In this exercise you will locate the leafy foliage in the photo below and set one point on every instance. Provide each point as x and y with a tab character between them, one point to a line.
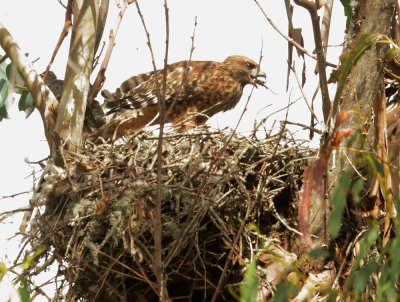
284	291
339	202
23	290
9	77
347	12
3	91
317	253
249	289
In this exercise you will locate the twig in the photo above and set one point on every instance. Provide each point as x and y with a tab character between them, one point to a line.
171	106
189	218
344	262
160	273
353	166
323	82
112	288
325	26
290	40
302	93
247	215
14	195
391	74
63	34
305	127
271	114
187	134
92	246
100	78
97	58
271	206
101	22
6	213
147	36
62	4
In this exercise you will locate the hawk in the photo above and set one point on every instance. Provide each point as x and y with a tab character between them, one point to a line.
195	91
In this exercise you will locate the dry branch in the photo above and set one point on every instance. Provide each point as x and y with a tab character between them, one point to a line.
290	40
100	78
63	34
323	82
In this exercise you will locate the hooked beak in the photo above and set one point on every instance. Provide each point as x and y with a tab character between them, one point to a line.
256	73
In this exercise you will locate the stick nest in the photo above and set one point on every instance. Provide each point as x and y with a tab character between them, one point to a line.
97	214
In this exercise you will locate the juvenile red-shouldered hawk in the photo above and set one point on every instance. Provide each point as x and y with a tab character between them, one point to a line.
197	90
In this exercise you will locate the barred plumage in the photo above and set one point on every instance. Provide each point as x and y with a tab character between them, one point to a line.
197	90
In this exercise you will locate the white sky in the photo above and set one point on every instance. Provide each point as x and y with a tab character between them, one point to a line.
225	27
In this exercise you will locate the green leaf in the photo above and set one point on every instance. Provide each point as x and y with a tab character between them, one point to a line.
395	260
254	227
391	54
233	293
17	80
347	12
284	291
3	98
384	284
26	102
318	253
369	239
375	165
24	290
339	202
397	207
249	289
362	277
8	71
357	188
350	141
27	263
332	295
3	270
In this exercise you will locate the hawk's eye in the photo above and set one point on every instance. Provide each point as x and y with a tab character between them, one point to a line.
250	66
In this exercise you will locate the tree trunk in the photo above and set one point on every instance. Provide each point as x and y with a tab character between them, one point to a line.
365	78
73	101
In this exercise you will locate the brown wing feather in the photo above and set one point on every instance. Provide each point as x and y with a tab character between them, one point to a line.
198	90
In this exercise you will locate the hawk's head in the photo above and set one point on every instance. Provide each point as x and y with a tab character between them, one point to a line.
246	71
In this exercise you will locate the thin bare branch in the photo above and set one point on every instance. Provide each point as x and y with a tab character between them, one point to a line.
103	13
302	92
171	106
63	34
13	195
323	82
100	78
305	127
147	36
290	40
325	26
62	4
